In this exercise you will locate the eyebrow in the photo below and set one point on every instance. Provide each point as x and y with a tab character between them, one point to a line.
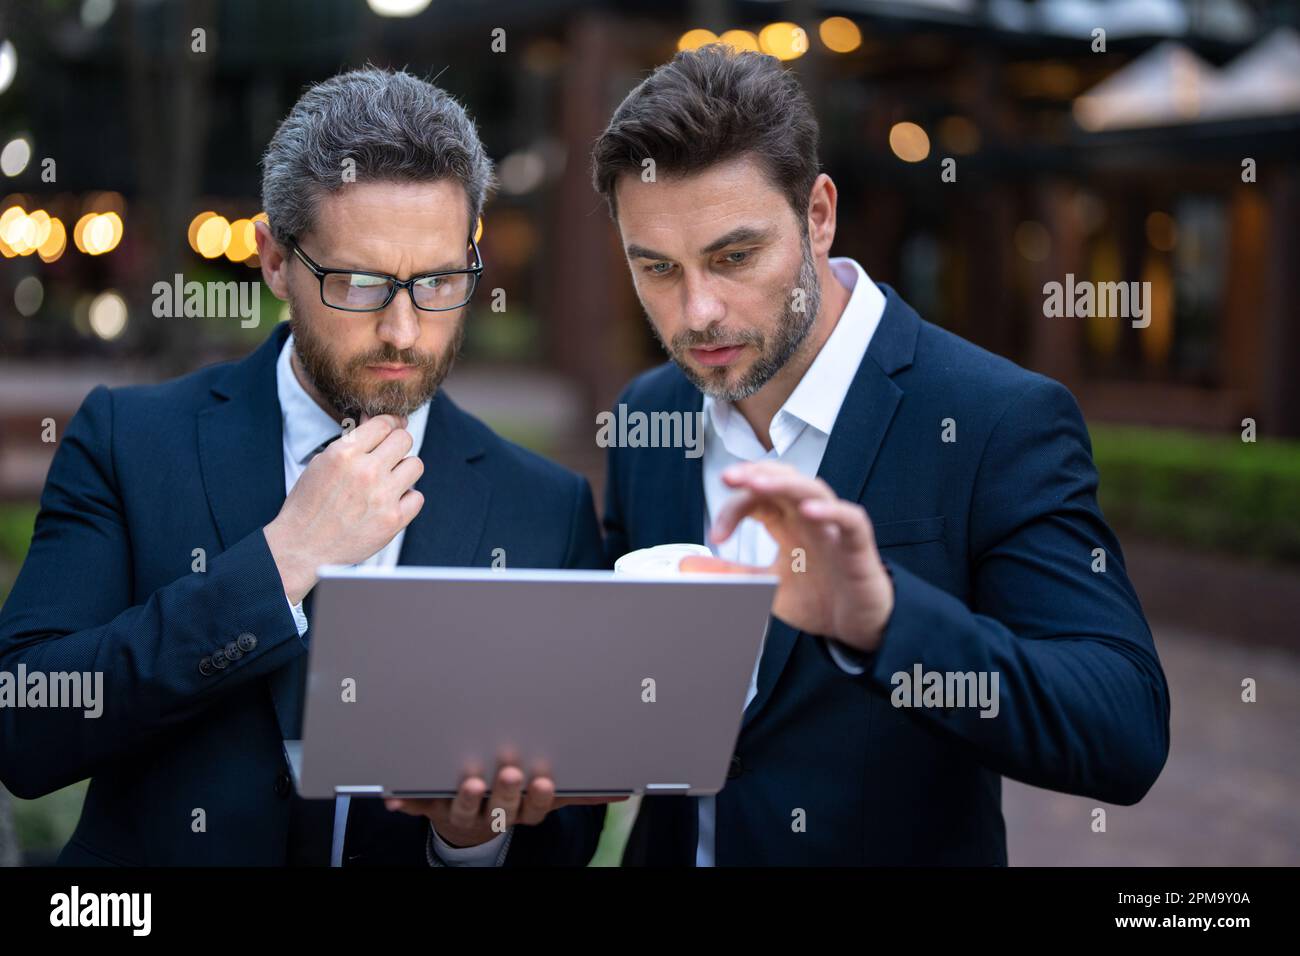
738	235
449	267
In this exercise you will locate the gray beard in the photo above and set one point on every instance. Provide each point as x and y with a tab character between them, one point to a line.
792	331
390	398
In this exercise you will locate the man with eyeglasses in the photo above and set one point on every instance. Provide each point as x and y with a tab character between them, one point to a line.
181	524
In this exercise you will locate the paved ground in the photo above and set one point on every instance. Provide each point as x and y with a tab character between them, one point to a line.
1229	794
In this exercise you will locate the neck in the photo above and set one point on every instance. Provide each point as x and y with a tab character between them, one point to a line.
762	406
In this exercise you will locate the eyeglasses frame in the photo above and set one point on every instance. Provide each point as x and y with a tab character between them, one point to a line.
320	272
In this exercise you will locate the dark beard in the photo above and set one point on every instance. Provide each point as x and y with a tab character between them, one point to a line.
339	386
791	333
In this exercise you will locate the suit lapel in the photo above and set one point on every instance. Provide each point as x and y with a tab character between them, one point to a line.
687	521
241	458
241	444
447	531
855	441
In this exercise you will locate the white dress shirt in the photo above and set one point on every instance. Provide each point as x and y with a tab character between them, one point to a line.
306	426
799	431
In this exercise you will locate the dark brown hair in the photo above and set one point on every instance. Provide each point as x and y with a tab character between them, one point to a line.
706	106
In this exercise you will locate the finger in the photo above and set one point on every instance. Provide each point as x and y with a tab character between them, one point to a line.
410	504
365	437
735	475
699	564
506	792
415	808
855	531
406	473
400	419
785	483
747	504
395	446
468	803
538	801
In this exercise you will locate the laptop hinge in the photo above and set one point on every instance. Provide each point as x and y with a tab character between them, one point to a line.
345	791
660	787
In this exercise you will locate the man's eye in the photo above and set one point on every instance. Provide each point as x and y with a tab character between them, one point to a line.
432	282
737	258
366	282
659	268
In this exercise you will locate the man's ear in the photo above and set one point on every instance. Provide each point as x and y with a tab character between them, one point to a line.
274	259
821	215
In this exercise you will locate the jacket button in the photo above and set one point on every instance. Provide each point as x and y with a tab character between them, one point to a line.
246	642
736	768
232	651
219	660
206	668
282	784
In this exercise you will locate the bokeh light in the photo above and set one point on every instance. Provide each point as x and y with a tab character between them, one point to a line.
740	40
694	39
107	315
15	156
398	8
242	241
785	41
28	295
840	34
52	248
213	237
8	64
909	142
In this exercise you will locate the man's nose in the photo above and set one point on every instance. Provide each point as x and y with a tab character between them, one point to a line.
400	322
702	306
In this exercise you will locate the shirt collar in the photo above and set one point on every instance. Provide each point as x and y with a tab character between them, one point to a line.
816	400
307	425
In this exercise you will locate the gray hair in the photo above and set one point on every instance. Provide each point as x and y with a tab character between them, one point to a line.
392	125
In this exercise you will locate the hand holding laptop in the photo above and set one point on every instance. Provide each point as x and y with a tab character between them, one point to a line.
468	819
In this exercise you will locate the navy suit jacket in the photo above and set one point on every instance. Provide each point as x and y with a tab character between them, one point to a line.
989	540
143	476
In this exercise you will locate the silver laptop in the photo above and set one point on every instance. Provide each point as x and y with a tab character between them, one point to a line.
608	683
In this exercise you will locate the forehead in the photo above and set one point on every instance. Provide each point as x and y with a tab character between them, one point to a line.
689	210
374	217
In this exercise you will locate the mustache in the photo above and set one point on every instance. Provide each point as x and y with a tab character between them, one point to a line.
713	337
413	359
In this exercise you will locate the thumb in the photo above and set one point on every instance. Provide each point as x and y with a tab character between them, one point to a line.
699	564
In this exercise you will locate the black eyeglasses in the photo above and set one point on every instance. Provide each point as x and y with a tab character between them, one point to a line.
355	291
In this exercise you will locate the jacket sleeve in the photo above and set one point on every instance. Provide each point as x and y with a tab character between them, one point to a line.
73	609
1083	705
568	836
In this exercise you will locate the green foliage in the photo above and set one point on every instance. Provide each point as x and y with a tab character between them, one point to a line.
1212	492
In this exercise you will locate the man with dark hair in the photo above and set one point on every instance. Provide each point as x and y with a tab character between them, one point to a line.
373	186
928	508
